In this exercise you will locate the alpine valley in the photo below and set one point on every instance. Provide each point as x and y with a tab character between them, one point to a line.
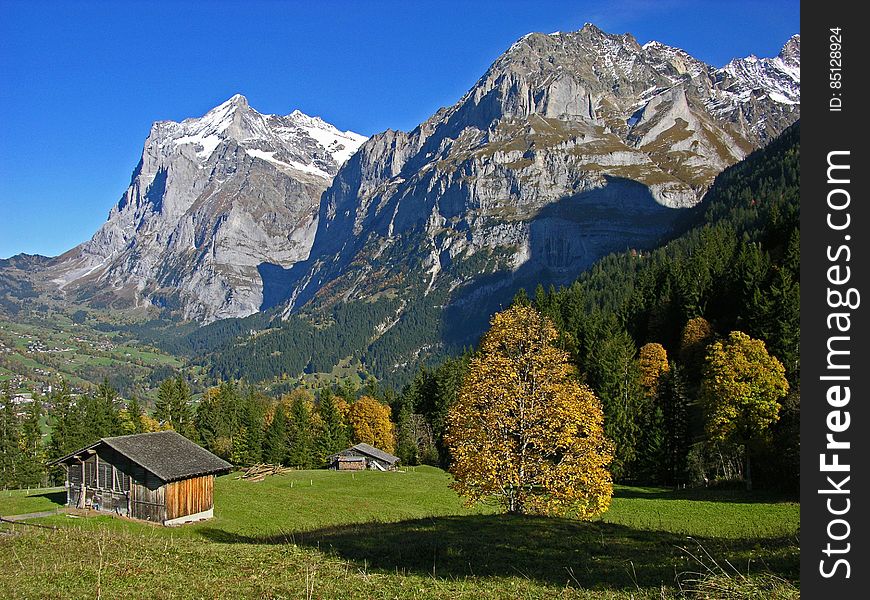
296	247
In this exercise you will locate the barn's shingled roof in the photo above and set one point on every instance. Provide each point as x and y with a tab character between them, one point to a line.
375	453
167	454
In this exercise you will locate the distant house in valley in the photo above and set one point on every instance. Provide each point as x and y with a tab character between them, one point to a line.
363	456
161	477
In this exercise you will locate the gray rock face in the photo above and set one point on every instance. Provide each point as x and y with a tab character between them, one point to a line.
213	202
571	146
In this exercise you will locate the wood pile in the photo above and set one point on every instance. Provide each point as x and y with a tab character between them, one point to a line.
260	471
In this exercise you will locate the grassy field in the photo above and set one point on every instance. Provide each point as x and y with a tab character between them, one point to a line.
316	534
17	502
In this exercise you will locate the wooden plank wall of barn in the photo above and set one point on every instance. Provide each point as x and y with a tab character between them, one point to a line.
189	496
147	496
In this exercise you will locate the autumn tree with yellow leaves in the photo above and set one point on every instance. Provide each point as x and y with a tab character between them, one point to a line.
741	390
370	422
653	363
523	430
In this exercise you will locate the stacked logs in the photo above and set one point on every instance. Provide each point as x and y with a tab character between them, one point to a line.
260	471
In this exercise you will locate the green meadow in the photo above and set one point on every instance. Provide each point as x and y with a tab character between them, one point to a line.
321	534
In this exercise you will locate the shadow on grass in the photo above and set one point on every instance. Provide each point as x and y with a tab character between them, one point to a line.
724	494
550	550
58	498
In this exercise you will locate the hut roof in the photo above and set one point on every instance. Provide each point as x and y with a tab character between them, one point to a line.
167	454
375	453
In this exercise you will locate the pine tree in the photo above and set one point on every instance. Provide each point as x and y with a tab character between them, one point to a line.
70	429
182	413
252	416
651	445
521	298
134	413
406	445
239	452
10	450
275	439
333	435
673	397
165	401
782	322
99	414
613	374
31	469
300	434
173	406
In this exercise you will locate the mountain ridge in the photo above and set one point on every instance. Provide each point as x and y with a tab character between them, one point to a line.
569	147
423	234
655	128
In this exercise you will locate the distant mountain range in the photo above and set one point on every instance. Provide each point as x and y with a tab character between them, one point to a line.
570	147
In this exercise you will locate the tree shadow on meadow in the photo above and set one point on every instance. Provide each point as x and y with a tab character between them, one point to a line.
732	495
550	550
58	498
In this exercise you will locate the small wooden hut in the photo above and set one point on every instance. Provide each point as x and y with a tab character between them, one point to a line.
363	456
161	477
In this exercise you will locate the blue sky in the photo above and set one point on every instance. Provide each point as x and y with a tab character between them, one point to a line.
81	82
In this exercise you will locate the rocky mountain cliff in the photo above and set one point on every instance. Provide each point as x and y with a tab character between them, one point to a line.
571	146
214	202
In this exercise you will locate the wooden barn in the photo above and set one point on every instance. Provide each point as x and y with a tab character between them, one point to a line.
363	456
161	477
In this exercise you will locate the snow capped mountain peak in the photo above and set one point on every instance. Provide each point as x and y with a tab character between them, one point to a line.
300	116
237	99
777	77
214	197
293	143
790	55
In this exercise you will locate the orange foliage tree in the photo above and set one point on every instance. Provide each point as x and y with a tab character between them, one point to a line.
370	422
697	335
523	430
653	363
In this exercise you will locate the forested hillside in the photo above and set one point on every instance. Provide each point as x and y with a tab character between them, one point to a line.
640	325
738	267
737	270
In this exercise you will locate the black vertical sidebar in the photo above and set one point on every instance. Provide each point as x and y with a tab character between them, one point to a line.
835	299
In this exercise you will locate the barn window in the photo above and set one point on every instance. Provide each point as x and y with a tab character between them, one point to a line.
90	474
105	474
75	474
121	481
